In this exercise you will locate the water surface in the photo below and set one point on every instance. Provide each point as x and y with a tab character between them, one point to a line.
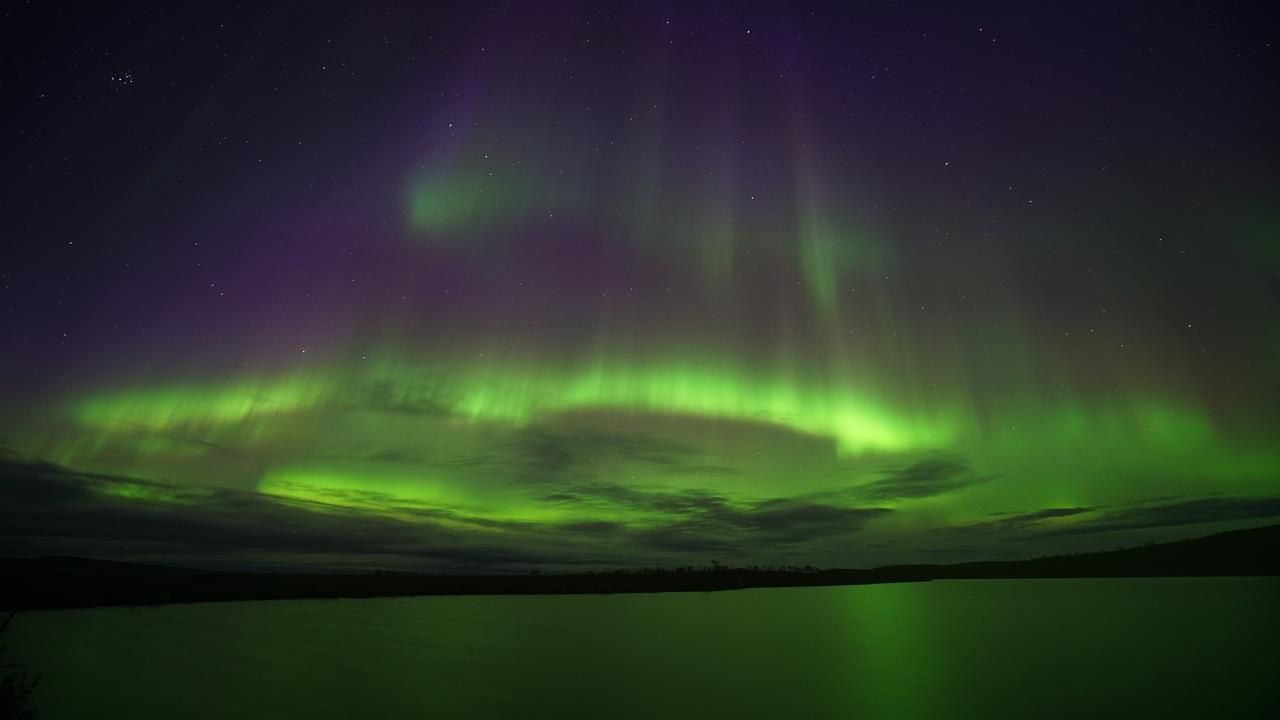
1165	647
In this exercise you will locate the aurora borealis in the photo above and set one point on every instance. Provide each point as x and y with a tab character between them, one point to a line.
509	287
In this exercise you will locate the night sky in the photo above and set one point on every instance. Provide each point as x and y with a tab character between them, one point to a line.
501	286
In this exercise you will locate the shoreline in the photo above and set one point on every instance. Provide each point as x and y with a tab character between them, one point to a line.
67	583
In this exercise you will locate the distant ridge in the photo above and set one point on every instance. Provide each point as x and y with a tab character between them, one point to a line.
71	582
1236	552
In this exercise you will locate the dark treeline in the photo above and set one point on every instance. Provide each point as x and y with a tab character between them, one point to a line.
79	582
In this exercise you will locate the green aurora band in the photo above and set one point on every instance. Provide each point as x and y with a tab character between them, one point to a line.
667	306
395	432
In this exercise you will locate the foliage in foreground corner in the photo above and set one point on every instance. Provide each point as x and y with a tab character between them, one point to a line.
16	687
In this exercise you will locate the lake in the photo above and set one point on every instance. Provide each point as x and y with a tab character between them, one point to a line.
1164	647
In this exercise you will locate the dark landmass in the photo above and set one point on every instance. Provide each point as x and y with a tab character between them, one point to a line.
60	582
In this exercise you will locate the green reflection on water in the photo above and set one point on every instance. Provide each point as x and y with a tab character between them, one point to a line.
1192	647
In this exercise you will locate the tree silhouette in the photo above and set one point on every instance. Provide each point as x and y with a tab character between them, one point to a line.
16	687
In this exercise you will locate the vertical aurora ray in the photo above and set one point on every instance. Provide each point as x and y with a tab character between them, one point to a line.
653	284
814	233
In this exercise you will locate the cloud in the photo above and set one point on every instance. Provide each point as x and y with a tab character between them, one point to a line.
212	447
624	497
784	521
696	520
433	400
1013	523
40	484
932	476
1175	514
396	457
759	529
593	527
1151	514
542	455
1045	514
47	506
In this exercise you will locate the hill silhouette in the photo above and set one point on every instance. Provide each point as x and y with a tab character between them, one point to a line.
68	582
